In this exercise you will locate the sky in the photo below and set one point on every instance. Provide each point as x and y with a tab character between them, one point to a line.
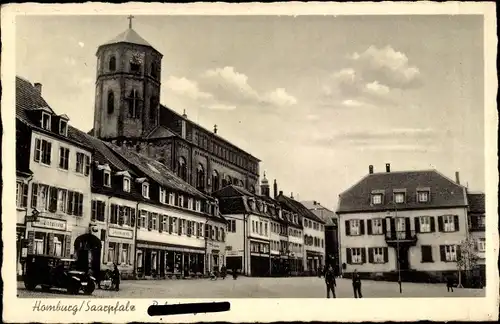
317	98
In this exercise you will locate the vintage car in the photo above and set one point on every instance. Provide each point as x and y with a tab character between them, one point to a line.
54	272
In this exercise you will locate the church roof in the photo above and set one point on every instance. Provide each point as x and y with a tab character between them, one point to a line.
128	36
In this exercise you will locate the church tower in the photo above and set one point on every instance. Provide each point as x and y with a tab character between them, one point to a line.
127	96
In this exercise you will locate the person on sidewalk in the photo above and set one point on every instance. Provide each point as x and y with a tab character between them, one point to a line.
356	284
330	282
450	281
116	277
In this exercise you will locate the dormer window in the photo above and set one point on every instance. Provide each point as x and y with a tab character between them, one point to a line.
377	198
126	184
45	120
171	199
180	201
399	197
163	195
63	127
423	195
145	190
107	178
190	203
198	206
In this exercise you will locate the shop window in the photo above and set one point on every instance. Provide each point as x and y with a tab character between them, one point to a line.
39	243
125	254
139	259
58	244
112	247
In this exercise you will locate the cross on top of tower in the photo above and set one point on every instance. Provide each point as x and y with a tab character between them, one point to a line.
130	21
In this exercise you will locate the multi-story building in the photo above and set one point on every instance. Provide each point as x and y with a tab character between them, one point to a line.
54	206
411	221
311	232
332	247
128	112
477	226
252	219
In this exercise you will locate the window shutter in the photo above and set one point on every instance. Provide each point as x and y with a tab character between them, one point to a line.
121	211
348	256
369	226
362	226
87	165
34	194
433	224
370	255
457	224
443	253
160	223
37	150
93	210
25	195
417	225
103	211
363	255
132	217
49	152
67	246
347	228
150	221
31	242
80	204
179	226
51	244
103	235
392	223
386	254
459	252
440	223
407	225
384	225
170	225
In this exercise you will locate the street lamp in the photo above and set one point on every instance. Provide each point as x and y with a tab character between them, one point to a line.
397	246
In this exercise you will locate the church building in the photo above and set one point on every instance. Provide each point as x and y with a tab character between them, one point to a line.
128	113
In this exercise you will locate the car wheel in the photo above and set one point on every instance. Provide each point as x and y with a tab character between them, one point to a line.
73	288
45	288
89	289
30	285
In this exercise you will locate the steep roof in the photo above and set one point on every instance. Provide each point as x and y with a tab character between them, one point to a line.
128	36
102	153
444	192
157	171
298	208
476	203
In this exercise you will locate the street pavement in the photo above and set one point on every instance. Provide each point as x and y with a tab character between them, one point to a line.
244	287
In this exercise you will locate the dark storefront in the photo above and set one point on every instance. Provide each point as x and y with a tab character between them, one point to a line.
260	265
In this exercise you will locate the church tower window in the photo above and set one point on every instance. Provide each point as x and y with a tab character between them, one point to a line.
133	104
154	70
112	63
215	180
153	110
135	64
182	169
200	177
111	102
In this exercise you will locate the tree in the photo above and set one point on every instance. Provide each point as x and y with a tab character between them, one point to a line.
467	258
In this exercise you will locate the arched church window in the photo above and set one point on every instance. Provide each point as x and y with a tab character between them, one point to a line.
154	70
200	177
182	168
153	110
135	63
215	180
134	109
111	102
112	63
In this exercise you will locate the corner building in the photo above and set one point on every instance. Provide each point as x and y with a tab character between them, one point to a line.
128	113
418	217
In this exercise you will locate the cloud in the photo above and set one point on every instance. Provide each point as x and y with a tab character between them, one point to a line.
376	89
395	139
81	44
70	61
352	103
231	87
218	106
186	88
387	66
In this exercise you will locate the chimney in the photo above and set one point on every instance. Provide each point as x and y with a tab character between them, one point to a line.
275	189
315	203
457	177
387	167
370	169
38	87
281	192
215	129
291	195
184	114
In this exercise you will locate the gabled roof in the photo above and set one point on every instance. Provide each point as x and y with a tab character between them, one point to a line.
102	153
476	203
298	208
128	36
444	192
156	171
160	132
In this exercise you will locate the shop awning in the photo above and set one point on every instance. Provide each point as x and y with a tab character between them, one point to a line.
169	247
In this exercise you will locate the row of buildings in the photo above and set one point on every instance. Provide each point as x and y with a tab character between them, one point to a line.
147	188
411	224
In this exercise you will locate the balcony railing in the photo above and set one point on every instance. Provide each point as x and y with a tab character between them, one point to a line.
477	228
401	236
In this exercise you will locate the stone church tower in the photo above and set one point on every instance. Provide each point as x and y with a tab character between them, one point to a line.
128	82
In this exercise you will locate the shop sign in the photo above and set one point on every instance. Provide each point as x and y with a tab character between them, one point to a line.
116	232
50	223
216	246
232	253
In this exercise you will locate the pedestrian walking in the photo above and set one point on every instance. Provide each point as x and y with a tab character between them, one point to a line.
450	281
116	277
356	284
330	282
